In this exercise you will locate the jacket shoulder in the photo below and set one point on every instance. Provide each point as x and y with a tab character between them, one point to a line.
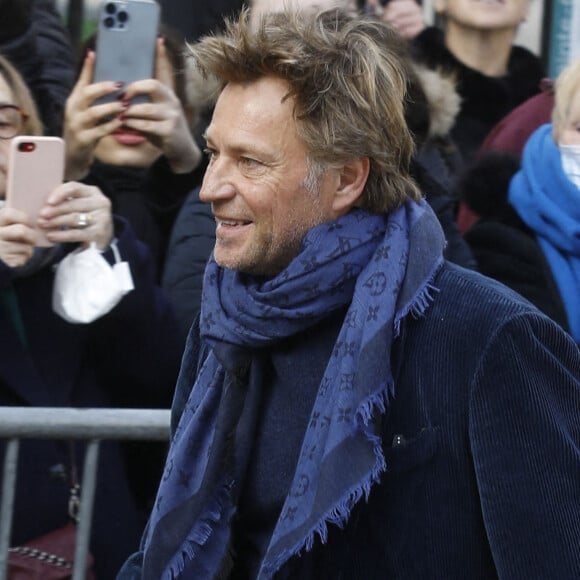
468	302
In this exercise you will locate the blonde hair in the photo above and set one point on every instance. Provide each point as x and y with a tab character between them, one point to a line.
565	88
22	97
348	79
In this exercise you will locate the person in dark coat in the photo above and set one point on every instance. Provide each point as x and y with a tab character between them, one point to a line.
33	37
509	136
128	356
143	156
351	405
430	111
493	75
190	246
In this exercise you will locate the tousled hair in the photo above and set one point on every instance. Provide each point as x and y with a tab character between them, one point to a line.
348	79
22	97
566	87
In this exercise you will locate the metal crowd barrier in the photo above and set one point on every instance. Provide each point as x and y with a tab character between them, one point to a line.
92	425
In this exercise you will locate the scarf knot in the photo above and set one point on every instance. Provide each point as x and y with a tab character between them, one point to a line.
380	268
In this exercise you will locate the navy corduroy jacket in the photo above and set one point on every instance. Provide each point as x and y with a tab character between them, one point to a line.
482	442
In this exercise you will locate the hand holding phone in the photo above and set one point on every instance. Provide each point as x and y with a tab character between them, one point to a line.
126	35
17	238
35	169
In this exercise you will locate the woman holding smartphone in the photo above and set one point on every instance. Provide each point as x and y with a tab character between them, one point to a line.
127	357
142	154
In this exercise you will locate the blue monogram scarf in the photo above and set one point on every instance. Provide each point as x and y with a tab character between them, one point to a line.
549	203
381	268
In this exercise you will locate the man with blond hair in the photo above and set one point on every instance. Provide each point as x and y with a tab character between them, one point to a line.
350	405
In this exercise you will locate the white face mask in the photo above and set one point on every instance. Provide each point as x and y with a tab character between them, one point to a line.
571	162
86	287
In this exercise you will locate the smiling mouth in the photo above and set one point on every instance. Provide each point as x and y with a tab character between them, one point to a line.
232	223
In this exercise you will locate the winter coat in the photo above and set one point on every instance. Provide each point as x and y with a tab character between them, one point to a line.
484	100
481	445
190	246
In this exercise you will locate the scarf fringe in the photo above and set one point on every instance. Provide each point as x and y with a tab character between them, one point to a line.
420	302
339	514
376	401
199	534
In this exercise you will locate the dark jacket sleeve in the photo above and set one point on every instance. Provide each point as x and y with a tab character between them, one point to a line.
524	427
43	54
141	331
430	172
189	249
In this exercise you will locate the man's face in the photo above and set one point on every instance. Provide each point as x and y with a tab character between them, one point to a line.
484	14
255	179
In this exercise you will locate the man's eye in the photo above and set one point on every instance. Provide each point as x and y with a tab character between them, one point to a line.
210	153
250	163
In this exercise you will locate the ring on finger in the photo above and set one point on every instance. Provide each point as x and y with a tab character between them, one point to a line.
83	221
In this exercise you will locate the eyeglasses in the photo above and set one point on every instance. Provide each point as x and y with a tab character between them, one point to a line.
12	119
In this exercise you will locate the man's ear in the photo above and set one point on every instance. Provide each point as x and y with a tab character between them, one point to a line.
352	180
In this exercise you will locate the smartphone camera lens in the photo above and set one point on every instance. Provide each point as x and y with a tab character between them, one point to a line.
109	22
122	17
26	147
110	8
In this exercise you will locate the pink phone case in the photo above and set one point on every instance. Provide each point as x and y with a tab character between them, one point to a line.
35	169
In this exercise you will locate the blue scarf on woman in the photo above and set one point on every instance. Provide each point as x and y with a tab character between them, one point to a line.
381	268
549	203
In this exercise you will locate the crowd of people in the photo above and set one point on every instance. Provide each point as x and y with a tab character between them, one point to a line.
354	260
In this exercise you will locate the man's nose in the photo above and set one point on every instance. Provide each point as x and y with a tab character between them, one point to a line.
218	183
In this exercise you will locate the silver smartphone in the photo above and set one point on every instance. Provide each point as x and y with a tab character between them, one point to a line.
126	40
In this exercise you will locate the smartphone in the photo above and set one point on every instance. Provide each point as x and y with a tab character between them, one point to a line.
35	169
126	41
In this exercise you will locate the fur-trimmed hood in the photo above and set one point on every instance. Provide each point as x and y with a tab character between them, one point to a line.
443	99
